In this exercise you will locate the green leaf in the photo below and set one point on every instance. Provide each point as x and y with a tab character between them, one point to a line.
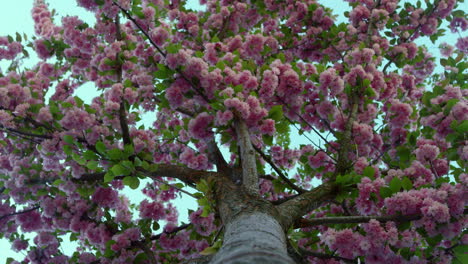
461	253
67	149
407	184
462	127
395	185
85	192
202	186
404	154
57	182
69	139
208	251
119	170
79	102
404	225
109	252
369	172
156	226
79	159
140	258
108	177
115	154
18	37
129	150
92	165
128	164
173	48
206	211
276	113
101	147
131	181
385	192
90	155
137	162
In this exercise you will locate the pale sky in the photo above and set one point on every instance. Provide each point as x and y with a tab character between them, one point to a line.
15	17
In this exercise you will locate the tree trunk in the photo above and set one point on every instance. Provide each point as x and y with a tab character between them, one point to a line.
253	237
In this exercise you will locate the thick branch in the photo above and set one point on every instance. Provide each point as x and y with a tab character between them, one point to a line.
215	156
247	153
19	132
302	204
277	170
189	176
122	112
302	223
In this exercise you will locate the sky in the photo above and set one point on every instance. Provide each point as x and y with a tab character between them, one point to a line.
15	17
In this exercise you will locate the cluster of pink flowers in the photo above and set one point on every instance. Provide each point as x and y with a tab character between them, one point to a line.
369	201
76	118
10	50
43	20
203	225
106	197
329	80
194	160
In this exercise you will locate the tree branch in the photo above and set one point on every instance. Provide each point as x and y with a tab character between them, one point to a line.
173	231
324	256
302	223
20	212
122	113
247	153
277	170
127	14
215	156
187	175
148	252
302	204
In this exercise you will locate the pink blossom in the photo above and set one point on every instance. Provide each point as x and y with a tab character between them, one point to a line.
153	210
365	203
19	245
30	221
76	118
203	225
199	127
241	107
458	22
222	118
159	35
427	153
318	160
462	45
330	80
268	127
446	50
269	84
106	197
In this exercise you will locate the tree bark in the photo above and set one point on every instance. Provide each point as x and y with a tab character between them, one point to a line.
253	232
254	237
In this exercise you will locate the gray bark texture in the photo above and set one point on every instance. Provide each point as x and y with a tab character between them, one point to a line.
253	238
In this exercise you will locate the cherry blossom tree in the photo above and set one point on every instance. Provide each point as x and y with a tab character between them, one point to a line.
381	178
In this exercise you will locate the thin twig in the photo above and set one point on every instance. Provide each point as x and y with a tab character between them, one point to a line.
20	212
277	170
